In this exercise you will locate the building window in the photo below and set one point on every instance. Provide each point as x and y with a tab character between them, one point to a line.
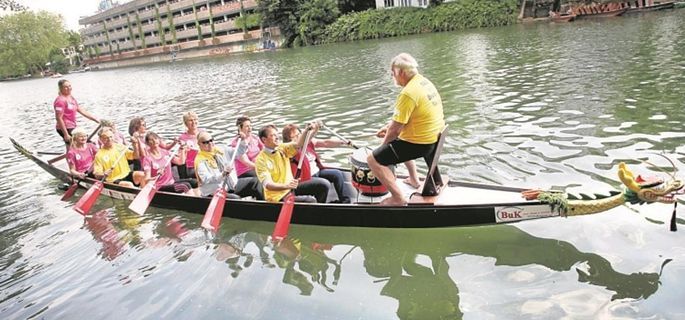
389	3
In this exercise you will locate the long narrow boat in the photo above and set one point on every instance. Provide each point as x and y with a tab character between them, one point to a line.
458	204
654	7
604	14
563	17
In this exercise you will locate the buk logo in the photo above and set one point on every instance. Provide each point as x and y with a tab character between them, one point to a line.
510	213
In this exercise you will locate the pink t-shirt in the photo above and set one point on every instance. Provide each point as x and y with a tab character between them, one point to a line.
154	165
82	159
67	107
254	146
193	148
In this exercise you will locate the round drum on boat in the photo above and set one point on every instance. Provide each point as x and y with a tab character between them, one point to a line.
362	178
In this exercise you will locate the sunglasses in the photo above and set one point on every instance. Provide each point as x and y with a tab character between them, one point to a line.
208	141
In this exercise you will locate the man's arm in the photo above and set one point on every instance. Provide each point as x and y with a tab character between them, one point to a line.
393	131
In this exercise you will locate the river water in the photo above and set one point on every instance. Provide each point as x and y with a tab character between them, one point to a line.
545	105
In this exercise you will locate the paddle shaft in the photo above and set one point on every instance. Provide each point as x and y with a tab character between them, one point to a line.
235	152
114	164
212	218
170	157
303	154
340	137
284	217
88	199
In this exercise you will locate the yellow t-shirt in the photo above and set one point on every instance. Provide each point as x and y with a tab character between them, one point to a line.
275	167
105	158
419	108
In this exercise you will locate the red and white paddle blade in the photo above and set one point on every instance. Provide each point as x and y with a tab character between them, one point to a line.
70	192
283	222
215	210
88	199
143	199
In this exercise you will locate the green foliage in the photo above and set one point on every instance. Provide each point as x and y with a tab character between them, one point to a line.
73	39
315	15
248	21
160	29
109	43
346	6
58	62
140	33
285	14
435	3
171	24
197	23
461	14
27	39
211	22
130	32
11	5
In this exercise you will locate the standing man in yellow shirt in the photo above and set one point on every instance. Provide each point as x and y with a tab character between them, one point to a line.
413	130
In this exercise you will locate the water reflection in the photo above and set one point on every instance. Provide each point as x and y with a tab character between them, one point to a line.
413	267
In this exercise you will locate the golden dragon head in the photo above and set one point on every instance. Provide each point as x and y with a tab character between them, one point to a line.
641	190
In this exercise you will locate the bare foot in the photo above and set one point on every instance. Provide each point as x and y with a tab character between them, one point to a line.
392	201
413	183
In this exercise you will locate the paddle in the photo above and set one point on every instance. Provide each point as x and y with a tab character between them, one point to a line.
339	136
212	217
284	217
144	197
73	187
88	199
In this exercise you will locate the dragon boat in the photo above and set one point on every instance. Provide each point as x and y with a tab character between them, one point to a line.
455	203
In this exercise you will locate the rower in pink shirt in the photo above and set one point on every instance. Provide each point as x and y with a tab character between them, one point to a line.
189	137
156	160
244	165
81	155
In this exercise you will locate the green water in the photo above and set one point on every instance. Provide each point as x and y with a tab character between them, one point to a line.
545	105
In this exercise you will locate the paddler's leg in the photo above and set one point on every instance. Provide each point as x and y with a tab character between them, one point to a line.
387	178
413	179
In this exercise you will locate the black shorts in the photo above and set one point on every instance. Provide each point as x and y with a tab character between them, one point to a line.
61	134
399	151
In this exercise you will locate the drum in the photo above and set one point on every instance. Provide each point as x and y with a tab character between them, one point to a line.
362	178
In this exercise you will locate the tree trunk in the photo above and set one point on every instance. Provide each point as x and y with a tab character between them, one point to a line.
523	8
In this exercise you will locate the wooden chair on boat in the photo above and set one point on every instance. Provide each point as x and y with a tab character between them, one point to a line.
434	183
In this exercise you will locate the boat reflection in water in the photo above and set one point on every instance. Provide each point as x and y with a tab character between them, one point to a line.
412	265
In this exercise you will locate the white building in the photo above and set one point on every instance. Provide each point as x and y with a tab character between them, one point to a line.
401	3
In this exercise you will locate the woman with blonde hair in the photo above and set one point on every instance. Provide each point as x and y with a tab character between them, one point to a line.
81	154
191	121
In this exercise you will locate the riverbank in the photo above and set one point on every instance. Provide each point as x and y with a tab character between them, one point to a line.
464	14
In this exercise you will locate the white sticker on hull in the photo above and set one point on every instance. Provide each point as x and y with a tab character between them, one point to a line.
518	213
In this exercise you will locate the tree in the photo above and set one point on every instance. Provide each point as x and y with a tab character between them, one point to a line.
11	5
347	6
27	39
435	3
315	16
281	13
